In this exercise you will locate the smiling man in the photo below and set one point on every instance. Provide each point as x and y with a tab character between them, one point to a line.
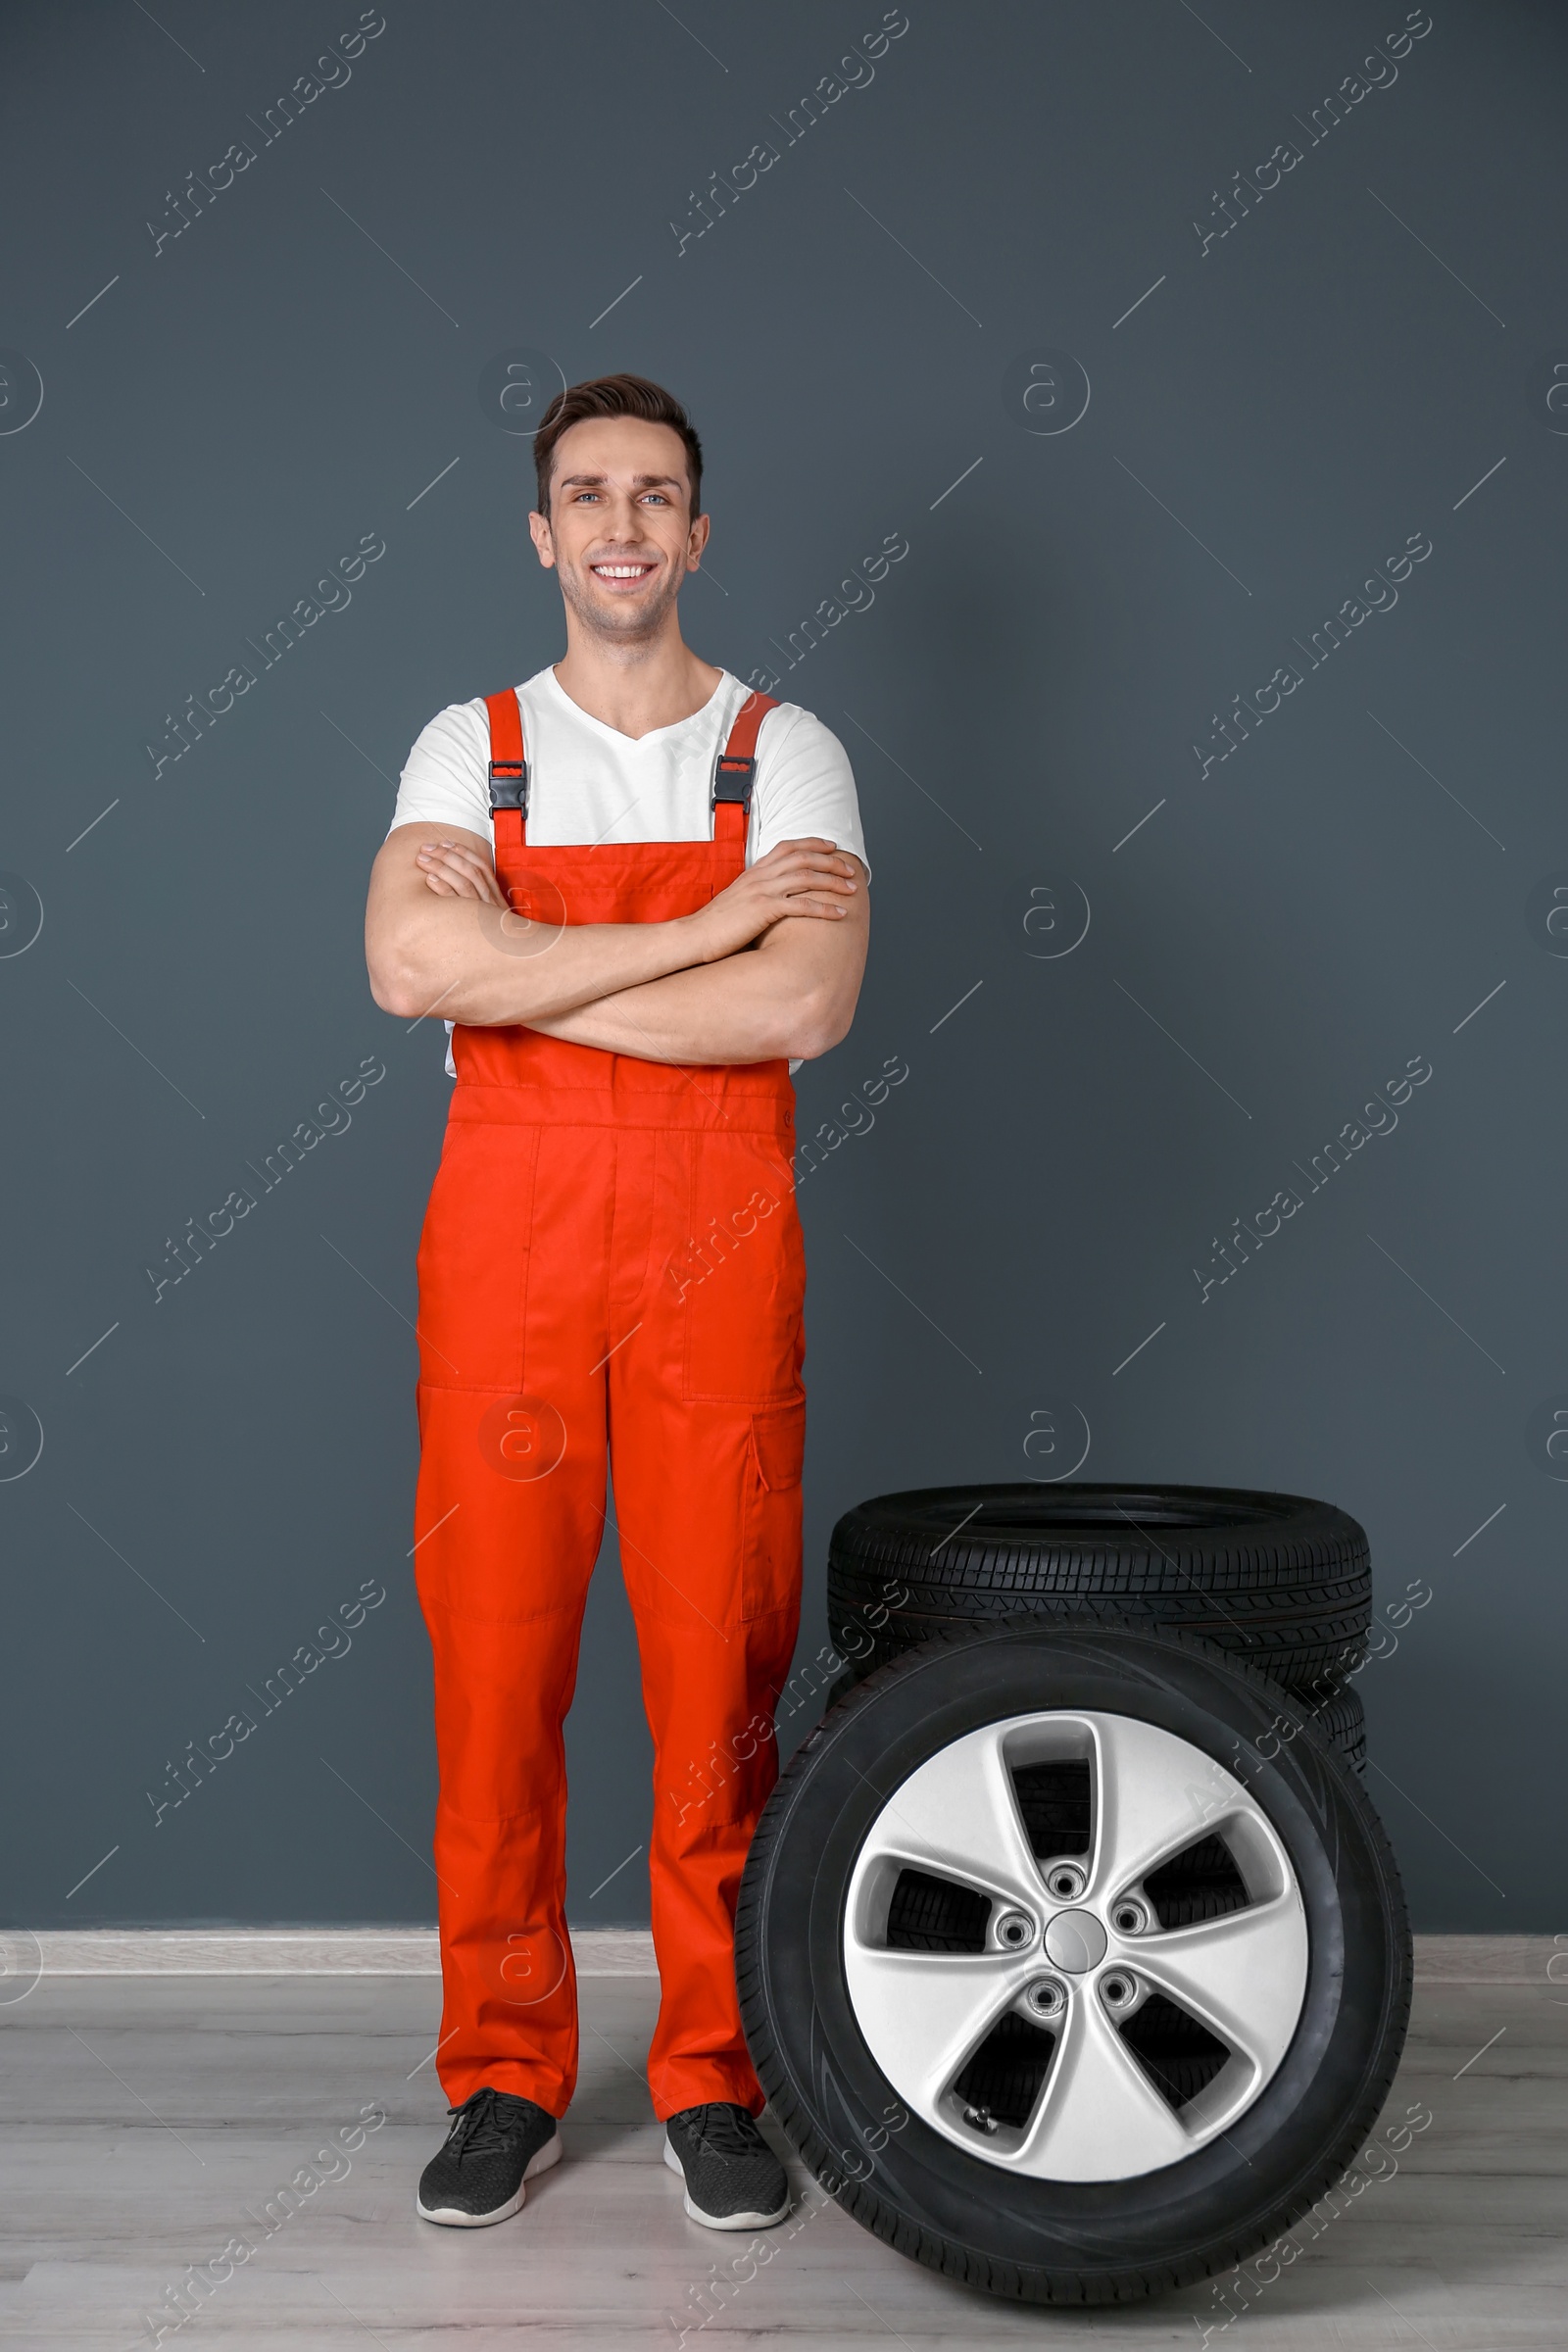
637	894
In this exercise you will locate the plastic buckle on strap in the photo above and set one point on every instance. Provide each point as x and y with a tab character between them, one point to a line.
509	785
733	778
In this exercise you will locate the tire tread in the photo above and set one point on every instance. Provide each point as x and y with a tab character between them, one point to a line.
1294	1595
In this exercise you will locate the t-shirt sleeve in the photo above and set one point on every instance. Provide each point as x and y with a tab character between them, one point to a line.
446	780
805	785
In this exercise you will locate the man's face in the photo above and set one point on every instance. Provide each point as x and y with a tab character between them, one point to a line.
620	532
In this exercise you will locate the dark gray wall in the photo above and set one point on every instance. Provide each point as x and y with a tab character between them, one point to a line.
1365	357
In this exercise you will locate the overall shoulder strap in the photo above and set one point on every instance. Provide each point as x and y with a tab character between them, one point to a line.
508	772
735	769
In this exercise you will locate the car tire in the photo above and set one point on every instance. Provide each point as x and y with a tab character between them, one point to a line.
927	2103
1341	1719
1280	1580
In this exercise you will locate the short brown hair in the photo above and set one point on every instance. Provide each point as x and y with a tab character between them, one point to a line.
614	396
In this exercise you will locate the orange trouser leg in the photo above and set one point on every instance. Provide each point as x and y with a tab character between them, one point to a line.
509	1521
707	1497
503	1634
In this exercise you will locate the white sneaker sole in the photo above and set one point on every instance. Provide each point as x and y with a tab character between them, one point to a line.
453	2218
726	2221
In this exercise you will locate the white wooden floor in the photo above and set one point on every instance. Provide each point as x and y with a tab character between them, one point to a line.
147	2120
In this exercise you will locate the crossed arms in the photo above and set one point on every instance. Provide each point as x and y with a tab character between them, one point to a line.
771	967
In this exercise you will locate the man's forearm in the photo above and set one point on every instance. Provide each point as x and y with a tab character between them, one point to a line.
693	1017
476	964
792	997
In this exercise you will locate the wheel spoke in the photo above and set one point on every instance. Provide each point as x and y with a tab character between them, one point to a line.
1100	2117
922	2013
957	1818
1155	1794
1244	1975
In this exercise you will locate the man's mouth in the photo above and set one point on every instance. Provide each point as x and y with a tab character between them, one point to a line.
621	574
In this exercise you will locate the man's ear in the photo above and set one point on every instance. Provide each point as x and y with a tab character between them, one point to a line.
697	541
544	543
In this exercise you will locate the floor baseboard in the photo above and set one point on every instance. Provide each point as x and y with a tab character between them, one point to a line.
301	1952
1486	1959
598	1952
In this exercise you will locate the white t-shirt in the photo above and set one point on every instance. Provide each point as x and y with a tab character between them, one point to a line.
589	783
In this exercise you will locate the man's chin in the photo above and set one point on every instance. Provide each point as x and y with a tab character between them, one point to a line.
627	618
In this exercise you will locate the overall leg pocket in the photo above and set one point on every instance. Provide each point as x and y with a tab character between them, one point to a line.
770	1548
473	1257
739	1276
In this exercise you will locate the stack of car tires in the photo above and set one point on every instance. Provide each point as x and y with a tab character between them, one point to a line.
1072	1954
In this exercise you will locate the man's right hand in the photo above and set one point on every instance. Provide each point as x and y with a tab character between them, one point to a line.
809	877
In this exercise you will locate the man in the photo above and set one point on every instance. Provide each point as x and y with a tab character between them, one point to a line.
637	894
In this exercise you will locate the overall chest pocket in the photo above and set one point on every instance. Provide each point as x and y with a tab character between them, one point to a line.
739	1275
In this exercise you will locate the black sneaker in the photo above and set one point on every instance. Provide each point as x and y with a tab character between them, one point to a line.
496	2143
733	2178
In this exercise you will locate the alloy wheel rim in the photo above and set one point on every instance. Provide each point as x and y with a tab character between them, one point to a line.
1158	2032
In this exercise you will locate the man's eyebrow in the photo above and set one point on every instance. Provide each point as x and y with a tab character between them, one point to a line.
644	481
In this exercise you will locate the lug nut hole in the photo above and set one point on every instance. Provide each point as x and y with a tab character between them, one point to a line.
1118	1991
1014	1930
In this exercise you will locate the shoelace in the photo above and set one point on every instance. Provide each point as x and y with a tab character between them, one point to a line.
728	2131
483	2126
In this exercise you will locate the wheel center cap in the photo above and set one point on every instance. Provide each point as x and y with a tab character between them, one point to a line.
1075	1940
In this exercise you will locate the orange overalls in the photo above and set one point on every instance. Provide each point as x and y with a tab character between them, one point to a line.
612	1271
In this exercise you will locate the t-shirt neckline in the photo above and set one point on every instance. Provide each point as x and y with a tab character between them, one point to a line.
630	743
